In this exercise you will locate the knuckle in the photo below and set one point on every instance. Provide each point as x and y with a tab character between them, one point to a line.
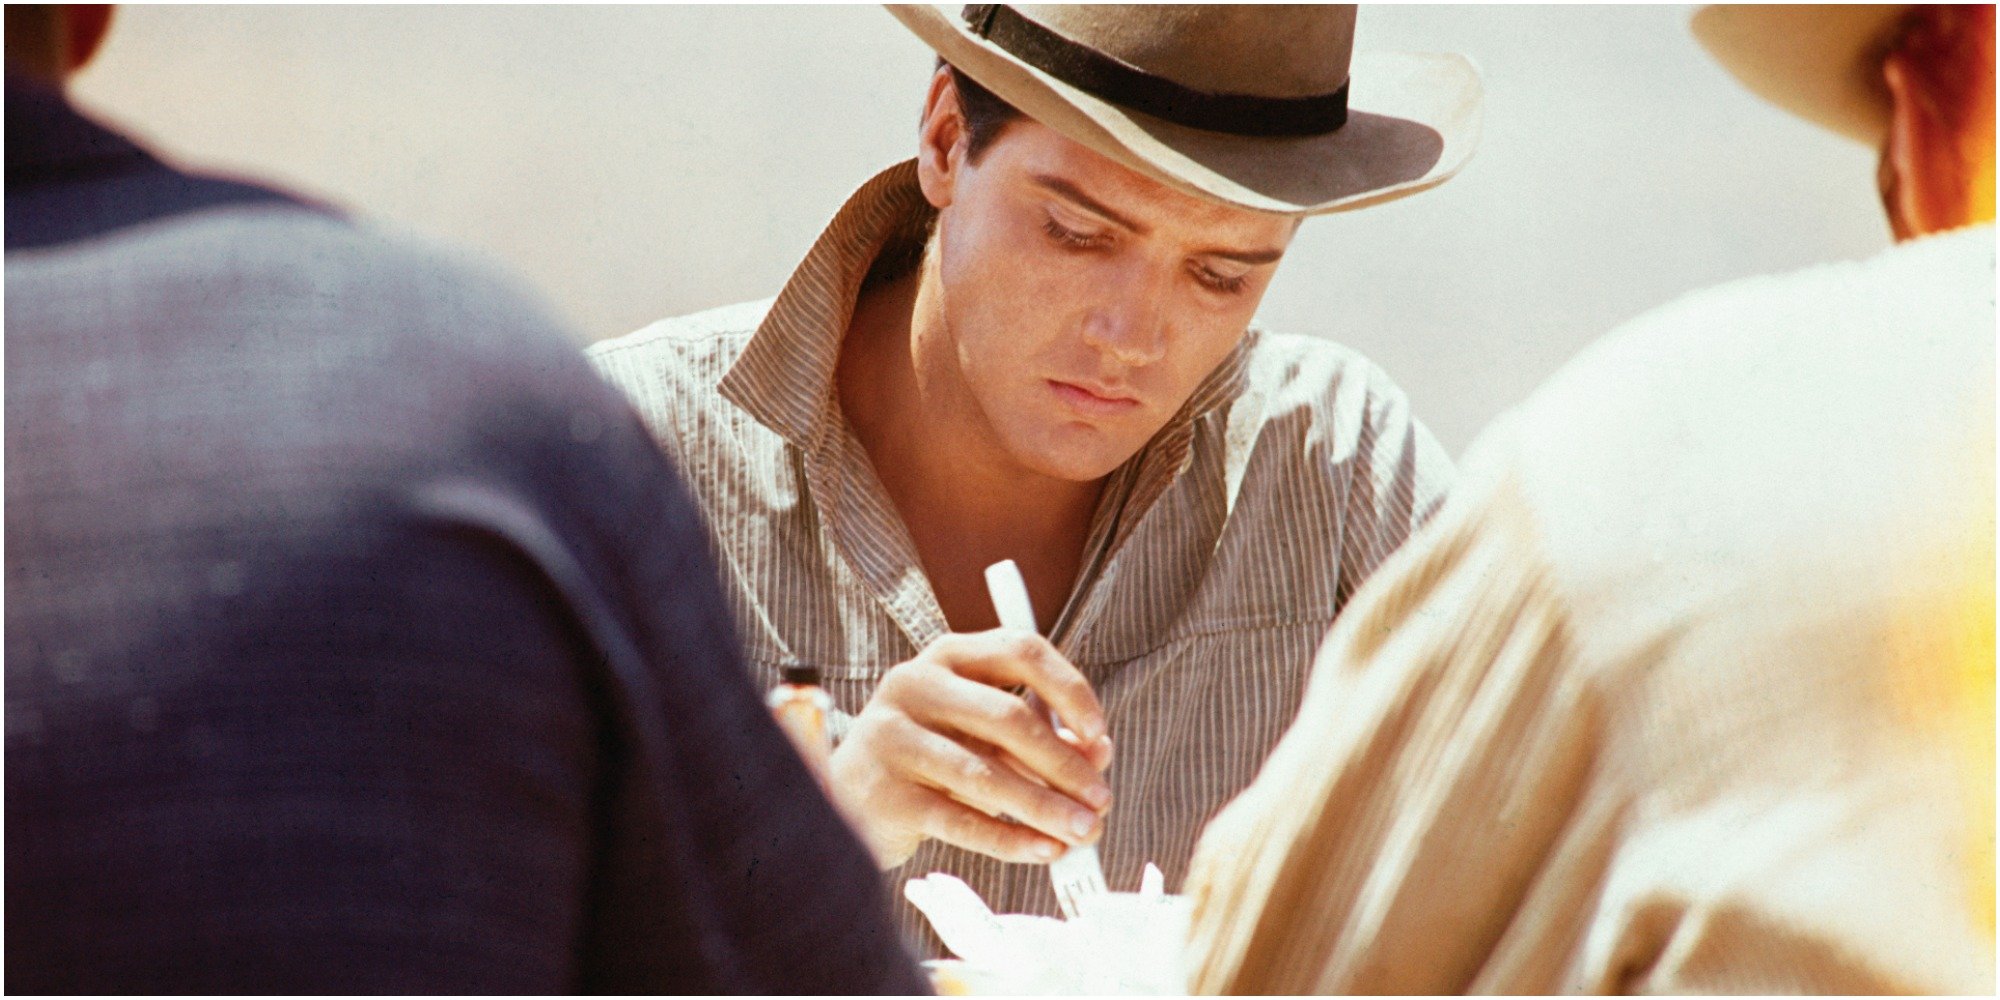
884	739
1014	714
909	689
900	677
975	771
875	721
889	688
1027	647
958	824
912	738
943	649
865	732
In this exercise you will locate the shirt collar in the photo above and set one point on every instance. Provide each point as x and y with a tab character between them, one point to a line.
784	377
47	139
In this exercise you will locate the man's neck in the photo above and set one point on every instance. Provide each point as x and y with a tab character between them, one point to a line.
965	502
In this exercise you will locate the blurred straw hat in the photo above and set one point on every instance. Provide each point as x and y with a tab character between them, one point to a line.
1245	104
1822	62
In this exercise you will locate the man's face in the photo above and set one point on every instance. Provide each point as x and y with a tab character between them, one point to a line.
1080	302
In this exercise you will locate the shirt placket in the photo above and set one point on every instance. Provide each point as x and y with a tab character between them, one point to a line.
1131	494
867	532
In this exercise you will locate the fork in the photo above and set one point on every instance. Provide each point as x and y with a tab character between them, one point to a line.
1078	875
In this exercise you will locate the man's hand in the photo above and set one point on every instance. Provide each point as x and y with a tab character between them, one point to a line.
942	750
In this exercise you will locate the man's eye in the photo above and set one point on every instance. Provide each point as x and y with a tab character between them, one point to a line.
1221	283
1069	237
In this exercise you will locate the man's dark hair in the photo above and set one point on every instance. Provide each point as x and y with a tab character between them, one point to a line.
986	115
33	45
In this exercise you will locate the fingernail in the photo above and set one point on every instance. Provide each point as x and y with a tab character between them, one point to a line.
1081	823
1093	727
1098	796
1045	850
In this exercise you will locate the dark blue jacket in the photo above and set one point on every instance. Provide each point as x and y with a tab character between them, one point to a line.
358	639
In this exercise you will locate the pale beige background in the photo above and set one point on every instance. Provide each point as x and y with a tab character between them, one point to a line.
639	162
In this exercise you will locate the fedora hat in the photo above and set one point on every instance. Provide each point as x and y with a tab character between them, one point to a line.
1822	62
1262	106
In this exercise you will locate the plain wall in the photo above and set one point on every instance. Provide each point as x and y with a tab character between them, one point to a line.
634	163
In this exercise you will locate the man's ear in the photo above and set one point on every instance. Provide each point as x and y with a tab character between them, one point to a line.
1921	174
941	140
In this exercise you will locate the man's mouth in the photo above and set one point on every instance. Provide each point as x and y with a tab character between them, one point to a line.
1093	400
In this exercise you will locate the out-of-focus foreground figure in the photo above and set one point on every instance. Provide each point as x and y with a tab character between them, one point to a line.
358	638
1689	688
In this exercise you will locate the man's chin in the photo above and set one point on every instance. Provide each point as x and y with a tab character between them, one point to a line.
1072	464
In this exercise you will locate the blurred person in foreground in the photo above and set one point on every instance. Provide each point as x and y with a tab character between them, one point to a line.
1689	687
358	637
1034	342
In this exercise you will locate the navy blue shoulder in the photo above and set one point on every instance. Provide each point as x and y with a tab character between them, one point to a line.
69	178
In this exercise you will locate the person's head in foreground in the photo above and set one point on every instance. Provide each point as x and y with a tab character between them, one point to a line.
1689	688
358	639
49	42
1915	82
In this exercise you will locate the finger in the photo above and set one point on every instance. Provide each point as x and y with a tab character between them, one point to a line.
960	825
1098	753
1006	657
989	717
987	784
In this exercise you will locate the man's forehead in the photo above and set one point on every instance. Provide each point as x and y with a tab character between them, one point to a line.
1070	170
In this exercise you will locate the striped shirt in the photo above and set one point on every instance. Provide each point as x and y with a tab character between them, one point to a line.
1216	561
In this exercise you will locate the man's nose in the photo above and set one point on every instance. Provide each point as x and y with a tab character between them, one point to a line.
1131	323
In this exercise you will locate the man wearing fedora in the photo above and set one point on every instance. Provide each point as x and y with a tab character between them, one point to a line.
1033	342
1689	687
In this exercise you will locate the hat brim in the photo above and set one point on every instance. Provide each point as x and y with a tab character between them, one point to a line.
1413	120
1820	62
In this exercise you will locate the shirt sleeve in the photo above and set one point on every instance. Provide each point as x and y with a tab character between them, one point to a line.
1400	476
1442	743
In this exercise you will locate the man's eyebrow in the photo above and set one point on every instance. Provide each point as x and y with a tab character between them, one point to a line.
1070	191
1251	258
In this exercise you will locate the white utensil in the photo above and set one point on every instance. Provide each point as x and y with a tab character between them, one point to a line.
1078	875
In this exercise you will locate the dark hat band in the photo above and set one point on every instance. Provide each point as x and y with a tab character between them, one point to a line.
1137	90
